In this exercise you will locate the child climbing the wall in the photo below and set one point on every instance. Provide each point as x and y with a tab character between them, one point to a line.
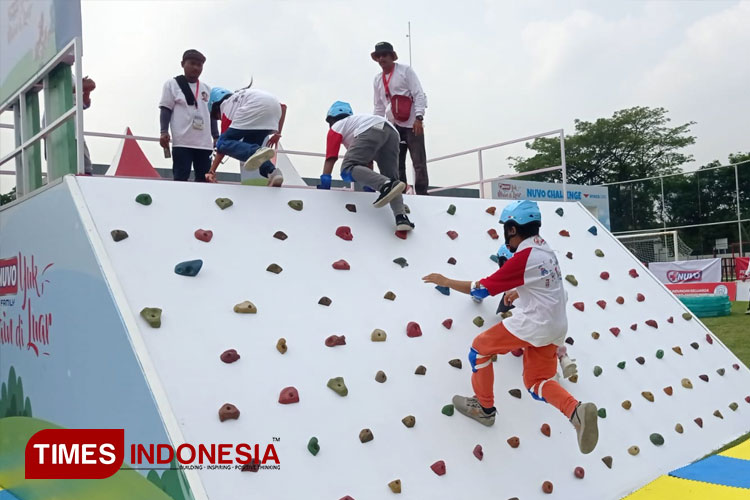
367	138
249	118
533	283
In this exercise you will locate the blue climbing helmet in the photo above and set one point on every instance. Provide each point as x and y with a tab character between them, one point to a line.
337	109
504	252
217	94
521	212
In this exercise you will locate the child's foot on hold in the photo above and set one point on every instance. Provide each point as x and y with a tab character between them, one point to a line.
390	190
569	367
472	409
403	223
260	156
584	419
275	178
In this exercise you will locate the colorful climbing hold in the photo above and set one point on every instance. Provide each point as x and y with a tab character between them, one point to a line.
402	234
280	235
571	279
579	306
601	303
401	262
439	466
736	366
493	234
447	410
252	466
455	363
720	371
703	377
569	255
452	209
593	230
559	211
694	345
338	386
514	442
679	429
118	234
490	210
640	360
595	335
351	207
517	352
709	339
564	233
718	414
640	297
341	265
652	323
607	461
324	301
452	261
478	452
634	326
670	319
604	275
598	253
334	340
597	371
296	205
626	404
144	199
570	341
615	331
448	323
224	203
281	345
573	378
413	329
648	396
443	289
452	235
733	406
687	316
389	295
229	356
228	412
547	487
313	446
546	430
345	233
686	383
378	335
380	377
274	268
699	422
633	273
421	370
409	421
365	436
516	393
395	486
677	349
620	300
602	412
204	235
245	307
288	395
152	315
634	450
659	354
495	258
479	321
668	390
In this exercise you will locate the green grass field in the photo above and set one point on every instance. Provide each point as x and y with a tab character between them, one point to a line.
734	332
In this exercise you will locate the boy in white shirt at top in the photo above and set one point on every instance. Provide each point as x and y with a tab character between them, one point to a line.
533	281
249	118
184	108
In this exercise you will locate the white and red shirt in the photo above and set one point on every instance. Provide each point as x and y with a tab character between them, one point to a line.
533	271
346	130
250	109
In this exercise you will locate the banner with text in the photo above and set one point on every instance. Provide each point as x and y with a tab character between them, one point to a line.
729	289
742	268
687	271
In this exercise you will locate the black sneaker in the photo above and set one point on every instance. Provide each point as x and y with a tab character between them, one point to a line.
403	223
390	190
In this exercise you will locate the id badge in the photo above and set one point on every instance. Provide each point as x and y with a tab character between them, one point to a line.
197	122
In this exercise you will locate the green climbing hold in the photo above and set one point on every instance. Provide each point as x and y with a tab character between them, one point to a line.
313	446
571	279
338	386
560	211
733	406
494	258
602	412
296	205
621	365
598	253
144	199
479	321
657	439
152	315
447	410
401	262
659	354
687	316
597	371
452	209
224	203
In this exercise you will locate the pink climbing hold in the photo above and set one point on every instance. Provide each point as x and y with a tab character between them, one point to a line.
438	468
579	472
493	234
289	395
633	273
452	235
604	275
709	339
480	454
448	323
335	340
652	323
736	366
341	265
615	331
204	235
413	329
402	234
634	326
601	303
578	305
517	352
640	297
670	319
345	233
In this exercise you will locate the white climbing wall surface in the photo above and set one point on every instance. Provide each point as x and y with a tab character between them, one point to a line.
198	324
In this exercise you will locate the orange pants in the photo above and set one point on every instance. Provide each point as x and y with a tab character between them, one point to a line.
539	368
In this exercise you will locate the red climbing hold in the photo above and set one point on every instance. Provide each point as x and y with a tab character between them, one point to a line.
288	395
615	331
578	305
545	430
204	235
335	340
341	265
579	472
620	300
601	303
345	233
517	352
438	467
604	275
490	210
564	233
633	273
402	234
640	297
736	366
699	421
252	466
703	377
652	323
478	452
634	326
493	234
347	497
547	487
709	339
452	235
413	329
747	399
448	323
670	319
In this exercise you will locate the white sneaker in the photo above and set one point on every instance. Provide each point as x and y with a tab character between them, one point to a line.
261	156
569	367
276	178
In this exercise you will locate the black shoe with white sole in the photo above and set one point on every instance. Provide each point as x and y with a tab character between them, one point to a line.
390	190
403	223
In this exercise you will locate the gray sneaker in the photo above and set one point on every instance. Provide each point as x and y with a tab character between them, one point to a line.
584	419
276	178
259	158
472	409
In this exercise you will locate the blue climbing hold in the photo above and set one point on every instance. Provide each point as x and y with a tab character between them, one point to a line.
592	230
189	267
443	289
495	258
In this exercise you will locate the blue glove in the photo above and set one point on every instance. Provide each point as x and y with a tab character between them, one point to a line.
368	189
325	182
479	294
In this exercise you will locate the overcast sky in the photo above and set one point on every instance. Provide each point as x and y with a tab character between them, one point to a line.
492	70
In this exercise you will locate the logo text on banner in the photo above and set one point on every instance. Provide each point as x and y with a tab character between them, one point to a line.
74	453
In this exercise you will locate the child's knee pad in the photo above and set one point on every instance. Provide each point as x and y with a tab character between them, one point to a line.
473	353
346	174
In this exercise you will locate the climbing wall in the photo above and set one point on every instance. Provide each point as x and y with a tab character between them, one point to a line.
633	342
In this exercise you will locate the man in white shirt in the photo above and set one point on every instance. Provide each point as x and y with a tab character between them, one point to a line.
399	97
184	109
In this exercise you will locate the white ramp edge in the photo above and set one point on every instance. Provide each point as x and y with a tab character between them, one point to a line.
199	324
